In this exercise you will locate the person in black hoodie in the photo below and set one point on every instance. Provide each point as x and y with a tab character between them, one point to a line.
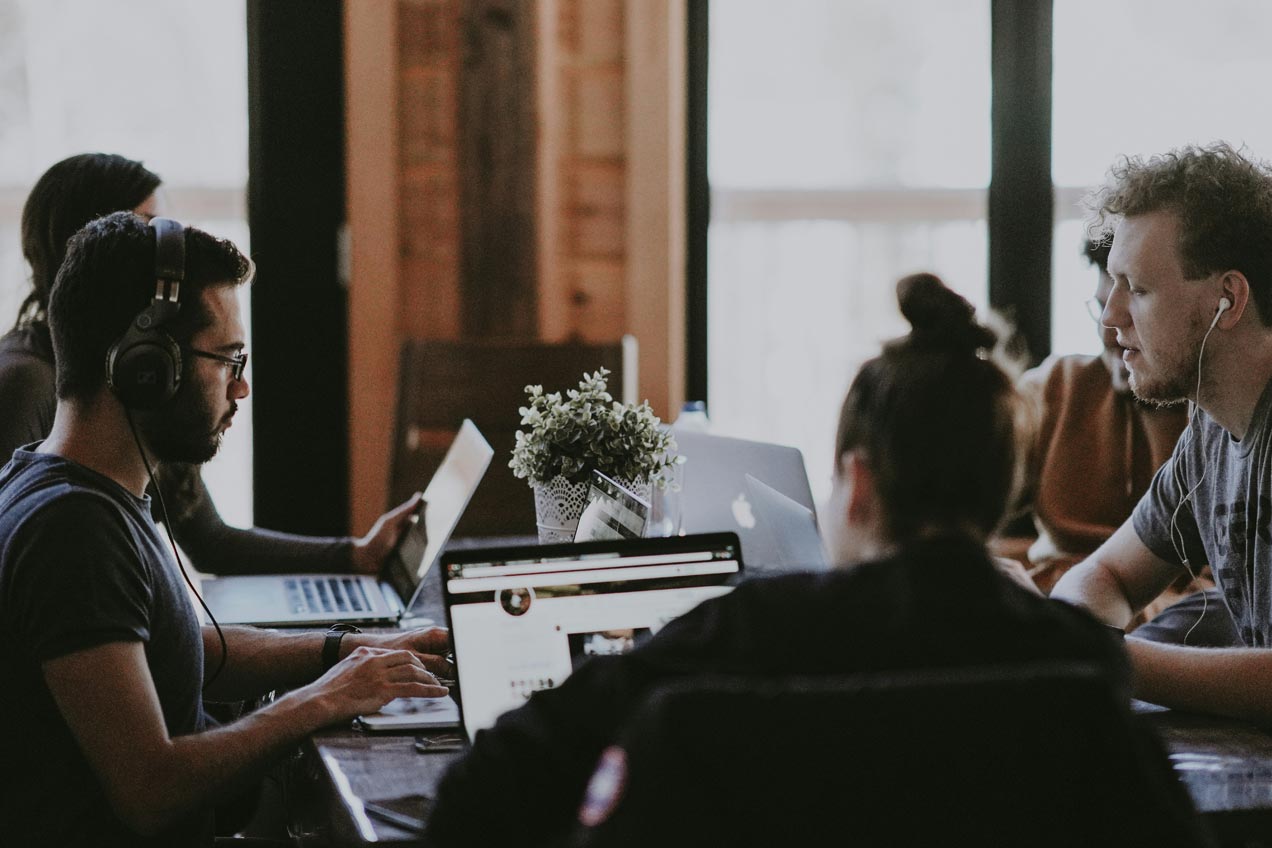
928	455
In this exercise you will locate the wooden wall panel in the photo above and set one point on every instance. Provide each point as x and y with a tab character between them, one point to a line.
516	170
497	143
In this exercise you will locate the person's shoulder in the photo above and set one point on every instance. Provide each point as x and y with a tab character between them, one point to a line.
29	340
1065	370
805	592
52	487
1060	620
25	355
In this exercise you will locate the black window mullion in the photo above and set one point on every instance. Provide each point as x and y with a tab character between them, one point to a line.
698	194
1021	196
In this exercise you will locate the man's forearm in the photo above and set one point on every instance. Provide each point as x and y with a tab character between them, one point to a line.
204	768
1096	589
1235	682
260	661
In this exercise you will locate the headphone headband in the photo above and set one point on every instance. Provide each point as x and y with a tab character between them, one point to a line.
169	249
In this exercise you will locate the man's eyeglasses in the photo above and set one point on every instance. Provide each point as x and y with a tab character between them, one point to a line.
1094	308
236	363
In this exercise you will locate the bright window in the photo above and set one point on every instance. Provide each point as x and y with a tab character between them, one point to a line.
162	81
848	146
1140	77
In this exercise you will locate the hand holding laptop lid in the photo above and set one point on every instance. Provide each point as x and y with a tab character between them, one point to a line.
370	551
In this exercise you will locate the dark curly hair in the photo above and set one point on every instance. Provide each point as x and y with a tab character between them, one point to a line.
68	196
1224	202
937	418
108	278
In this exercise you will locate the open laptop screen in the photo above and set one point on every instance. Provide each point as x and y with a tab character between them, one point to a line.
522	619
445	499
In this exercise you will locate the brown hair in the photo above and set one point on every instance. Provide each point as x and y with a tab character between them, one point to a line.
937	419
1224	202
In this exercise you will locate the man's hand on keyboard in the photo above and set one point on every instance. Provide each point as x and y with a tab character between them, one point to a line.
367	679
430	644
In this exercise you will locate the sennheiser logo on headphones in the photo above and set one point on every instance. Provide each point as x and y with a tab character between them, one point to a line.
147	378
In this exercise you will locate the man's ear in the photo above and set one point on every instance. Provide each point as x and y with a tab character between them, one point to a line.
1236	288
863	501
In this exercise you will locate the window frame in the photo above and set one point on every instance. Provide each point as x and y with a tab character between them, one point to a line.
1020	205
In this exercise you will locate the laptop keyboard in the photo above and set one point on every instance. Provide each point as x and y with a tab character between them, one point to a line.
326	594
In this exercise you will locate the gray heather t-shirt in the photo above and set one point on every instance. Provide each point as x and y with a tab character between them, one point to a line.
1227	522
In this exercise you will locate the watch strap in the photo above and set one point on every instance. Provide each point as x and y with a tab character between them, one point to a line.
331	644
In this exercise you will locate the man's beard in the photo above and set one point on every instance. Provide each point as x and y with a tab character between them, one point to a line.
185	429
1178	380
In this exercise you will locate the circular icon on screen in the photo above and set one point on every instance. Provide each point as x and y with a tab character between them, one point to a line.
515	601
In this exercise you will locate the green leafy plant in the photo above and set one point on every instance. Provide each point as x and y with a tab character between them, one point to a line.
587	429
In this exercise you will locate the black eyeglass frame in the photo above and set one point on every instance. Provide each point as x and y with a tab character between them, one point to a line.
237	362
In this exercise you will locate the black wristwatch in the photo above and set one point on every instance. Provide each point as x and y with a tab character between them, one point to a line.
331	645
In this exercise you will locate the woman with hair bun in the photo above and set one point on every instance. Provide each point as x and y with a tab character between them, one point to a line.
927	454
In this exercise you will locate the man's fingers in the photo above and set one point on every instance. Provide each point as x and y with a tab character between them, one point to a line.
410	672
417	689
435	640
437	665
404	508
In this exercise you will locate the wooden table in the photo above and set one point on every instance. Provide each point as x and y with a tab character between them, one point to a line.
349	768
1226	766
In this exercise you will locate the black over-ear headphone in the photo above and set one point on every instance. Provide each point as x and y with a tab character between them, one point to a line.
143	366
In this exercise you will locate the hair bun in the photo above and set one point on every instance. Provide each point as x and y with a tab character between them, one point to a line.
940	317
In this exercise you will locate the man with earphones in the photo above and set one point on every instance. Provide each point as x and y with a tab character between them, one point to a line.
1191	263
104	664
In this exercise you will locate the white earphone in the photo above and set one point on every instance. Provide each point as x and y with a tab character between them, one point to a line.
1224	306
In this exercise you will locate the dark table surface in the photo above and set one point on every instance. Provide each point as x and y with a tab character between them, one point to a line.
1226	766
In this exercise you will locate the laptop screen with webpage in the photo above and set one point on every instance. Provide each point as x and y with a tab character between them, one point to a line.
523	618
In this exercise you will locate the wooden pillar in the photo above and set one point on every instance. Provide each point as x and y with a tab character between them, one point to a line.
656	222
371	136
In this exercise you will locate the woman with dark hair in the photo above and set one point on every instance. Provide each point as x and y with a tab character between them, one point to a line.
69	195
927	456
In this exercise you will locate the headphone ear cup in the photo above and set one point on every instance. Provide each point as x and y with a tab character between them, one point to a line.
144	368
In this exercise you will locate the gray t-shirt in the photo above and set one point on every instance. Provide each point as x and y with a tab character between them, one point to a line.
1227	521
81	565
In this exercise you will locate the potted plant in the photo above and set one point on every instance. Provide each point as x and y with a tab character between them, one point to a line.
567	437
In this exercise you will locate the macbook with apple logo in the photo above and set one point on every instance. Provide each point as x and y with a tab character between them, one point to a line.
716	497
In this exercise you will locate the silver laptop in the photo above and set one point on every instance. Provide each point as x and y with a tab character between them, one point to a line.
786	531
281	600
524	618
715	496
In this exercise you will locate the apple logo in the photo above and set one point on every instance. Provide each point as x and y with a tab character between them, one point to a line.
742	512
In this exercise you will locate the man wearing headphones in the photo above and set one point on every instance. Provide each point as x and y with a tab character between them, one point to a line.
104	662
1191	263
